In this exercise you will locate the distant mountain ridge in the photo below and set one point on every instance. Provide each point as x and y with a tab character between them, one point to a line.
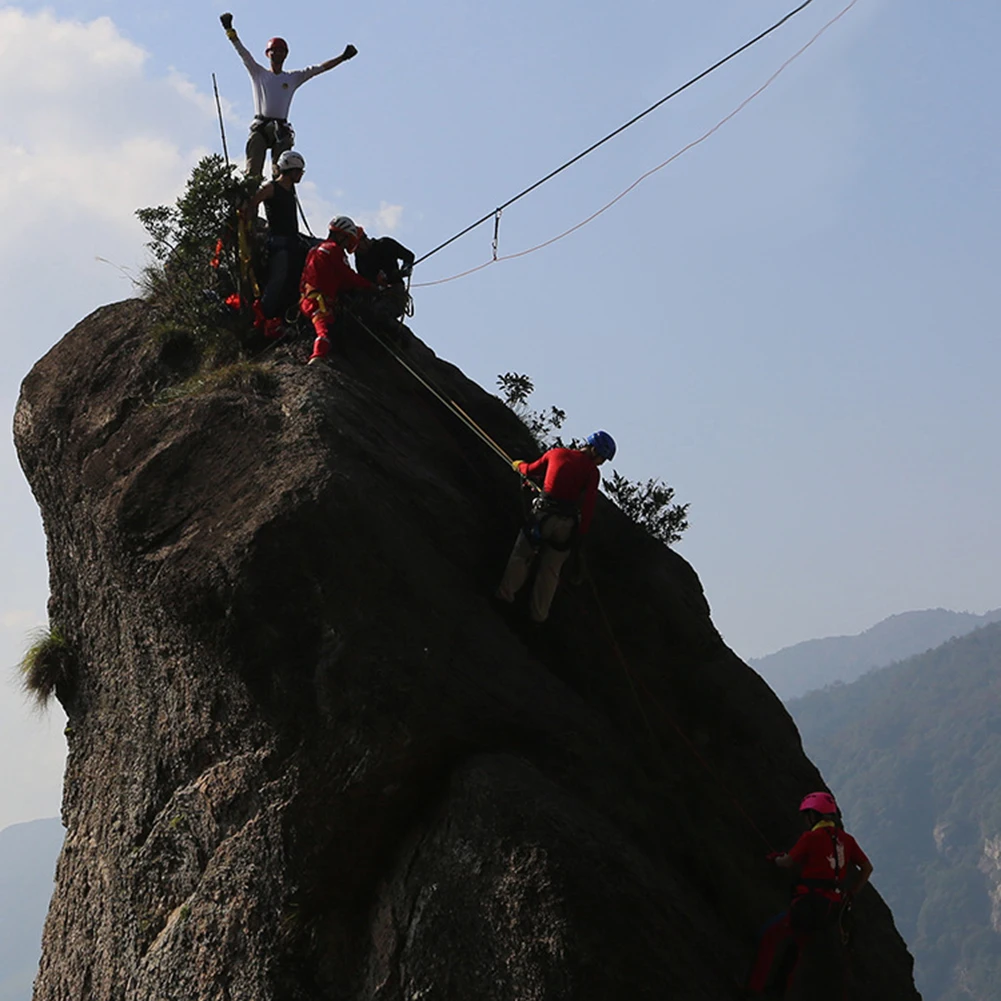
803	667
28	855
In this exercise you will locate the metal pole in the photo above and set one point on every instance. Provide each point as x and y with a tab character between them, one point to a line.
222	128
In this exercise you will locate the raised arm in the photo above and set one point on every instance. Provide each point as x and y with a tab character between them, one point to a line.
248	60
349	53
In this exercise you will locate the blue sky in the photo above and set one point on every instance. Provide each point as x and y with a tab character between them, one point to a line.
795	324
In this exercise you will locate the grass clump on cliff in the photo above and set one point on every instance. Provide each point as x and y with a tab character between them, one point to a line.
196	256
243	376
650	505
46	665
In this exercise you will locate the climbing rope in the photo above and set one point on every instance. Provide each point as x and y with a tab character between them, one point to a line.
495	258
305	221
438	394
611	135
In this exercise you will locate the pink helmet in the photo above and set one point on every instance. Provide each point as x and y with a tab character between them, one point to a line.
276	43
822	802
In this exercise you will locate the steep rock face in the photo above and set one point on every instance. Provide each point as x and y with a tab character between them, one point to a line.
308	755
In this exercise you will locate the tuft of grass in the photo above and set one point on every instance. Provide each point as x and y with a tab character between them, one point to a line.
46	665
243	376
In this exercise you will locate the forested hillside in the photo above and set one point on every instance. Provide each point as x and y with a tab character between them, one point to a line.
913	752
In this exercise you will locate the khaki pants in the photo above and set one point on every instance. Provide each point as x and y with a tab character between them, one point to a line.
260	141
554	529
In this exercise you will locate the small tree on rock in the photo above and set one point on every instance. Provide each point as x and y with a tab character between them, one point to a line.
196	254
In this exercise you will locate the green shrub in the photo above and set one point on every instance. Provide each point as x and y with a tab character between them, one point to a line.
649	505
46	665
191	274
543	425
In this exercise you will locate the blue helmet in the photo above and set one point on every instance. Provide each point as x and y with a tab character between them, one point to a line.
603	443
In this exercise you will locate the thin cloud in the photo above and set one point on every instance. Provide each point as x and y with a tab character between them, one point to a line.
205	102
96	136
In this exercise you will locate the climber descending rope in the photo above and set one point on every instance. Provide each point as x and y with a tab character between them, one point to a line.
805	945
560	518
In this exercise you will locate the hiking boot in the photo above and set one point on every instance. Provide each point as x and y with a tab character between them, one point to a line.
321	348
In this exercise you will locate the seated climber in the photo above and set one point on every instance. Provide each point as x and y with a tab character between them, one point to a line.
563	511
327	273
273	90
380	262
805	945
284	248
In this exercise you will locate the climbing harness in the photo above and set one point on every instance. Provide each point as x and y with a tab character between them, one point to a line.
812	910
544	507
317	296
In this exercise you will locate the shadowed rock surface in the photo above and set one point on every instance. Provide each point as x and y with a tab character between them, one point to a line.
308	755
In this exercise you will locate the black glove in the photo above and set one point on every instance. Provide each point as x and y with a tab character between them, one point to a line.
227	21
350	52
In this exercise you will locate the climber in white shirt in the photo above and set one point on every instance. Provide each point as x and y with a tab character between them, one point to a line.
273	90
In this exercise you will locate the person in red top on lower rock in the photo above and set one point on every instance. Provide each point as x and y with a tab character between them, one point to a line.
325	274
828	860
830	868
570	481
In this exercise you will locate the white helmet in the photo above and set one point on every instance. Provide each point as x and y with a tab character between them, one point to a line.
290	160
343	226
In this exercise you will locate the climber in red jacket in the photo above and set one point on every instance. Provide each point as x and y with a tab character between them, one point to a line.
563	511
326	273
830	866
806	945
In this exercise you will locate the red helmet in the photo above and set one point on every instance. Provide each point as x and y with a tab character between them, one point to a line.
276	43
822	802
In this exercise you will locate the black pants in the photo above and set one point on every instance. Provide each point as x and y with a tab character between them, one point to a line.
285	259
